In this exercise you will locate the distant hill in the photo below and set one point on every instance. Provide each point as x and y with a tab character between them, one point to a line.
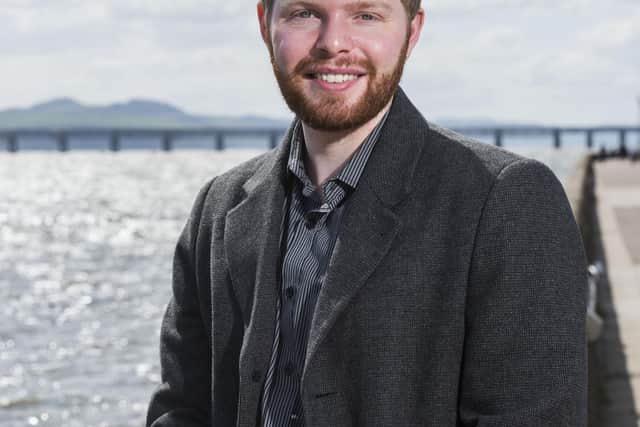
68	113
149	114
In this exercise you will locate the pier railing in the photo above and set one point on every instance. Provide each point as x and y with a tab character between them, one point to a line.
170	137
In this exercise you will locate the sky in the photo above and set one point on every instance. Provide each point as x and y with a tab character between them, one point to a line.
553	62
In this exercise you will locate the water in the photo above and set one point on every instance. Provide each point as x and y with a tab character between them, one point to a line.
87	239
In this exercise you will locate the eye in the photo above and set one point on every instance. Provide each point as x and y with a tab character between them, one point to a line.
367	17
302	14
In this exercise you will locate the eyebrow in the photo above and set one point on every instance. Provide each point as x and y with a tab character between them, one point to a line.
368	4
352	6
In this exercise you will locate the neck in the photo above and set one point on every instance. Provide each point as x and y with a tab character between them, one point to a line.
328	151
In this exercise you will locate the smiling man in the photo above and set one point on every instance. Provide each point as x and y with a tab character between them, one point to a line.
374	269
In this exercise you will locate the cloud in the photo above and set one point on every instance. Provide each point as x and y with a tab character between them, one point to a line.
524	60
574	63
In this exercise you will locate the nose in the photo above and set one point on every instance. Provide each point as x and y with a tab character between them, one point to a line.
334	38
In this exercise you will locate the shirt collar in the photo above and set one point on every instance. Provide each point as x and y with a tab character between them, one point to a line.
349	174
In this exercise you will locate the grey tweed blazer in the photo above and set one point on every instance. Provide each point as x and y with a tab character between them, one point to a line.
455	296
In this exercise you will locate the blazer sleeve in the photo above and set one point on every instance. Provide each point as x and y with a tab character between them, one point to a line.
524	357
184	396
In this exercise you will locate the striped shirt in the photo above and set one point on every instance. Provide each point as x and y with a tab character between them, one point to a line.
309	235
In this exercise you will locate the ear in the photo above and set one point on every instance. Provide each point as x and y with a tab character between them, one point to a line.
262	20
415	28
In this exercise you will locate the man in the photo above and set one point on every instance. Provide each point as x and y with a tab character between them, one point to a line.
373	270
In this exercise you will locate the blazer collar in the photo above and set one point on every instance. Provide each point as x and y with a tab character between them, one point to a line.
394	160
390	168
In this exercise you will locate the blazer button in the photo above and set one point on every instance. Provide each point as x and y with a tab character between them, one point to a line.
255	376
290	292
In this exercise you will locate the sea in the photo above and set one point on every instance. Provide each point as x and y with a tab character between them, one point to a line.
86	243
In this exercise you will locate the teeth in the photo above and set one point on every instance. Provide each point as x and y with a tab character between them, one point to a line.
336	78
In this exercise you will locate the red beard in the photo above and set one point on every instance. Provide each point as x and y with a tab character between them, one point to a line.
330	112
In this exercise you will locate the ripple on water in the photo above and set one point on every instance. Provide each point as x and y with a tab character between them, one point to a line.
23	400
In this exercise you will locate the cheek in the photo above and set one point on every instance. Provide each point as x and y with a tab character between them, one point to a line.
290	48
381	51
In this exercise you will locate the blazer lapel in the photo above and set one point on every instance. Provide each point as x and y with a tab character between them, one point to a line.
252	246
370	224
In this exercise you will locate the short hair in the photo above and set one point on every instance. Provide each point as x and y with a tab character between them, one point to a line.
411	6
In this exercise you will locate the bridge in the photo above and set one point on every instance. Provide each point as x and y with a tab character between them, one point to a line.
170	137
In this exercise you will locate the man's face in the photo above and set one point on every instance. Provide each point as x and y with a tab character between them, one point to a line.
338	62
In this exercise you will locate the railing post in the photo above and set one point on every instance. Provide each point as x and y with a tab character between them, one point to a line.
219	141
167	140
497	137
114	141
556	138
589	138
63	142
273	139
12	142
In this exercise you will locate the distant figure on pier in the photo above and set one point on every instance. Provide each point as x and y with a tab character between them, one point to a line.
374	269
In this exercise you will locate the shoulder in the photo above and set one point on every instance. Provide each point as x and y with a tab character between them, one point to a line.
471	152
477	163
509	187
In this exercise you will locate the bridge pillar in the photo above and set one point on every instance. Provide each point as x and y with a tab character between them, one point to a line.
219	141
12	142
556	138
623	143
63	142
167	141
589	138
114	141
497	137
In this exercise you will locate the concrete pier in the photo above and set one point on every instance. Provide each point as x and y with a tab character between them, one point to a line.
617	193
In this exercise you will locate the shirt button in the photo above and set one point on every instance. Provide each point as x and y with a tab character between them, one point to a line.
255	376
290	292
289	368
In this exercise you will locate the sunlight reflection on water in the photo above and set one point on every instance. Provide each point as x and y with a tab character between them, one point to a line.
87	241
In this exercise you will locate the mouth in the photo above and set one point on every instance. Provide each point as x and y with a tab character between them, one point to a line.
333	78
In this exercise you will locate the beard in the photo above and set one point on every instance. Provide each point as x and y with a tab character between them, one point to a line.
331	112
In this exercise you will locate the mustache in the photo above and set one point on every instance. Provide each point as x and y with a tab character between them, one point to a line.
308	65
